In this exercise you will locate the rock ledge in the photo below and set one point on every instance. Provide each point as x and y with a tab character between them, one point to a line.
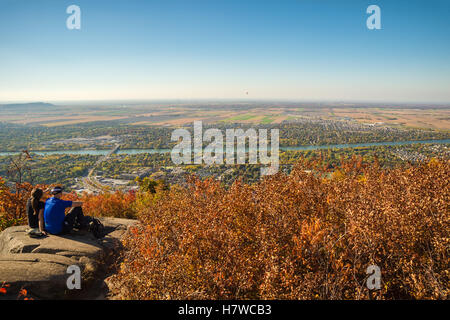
40	265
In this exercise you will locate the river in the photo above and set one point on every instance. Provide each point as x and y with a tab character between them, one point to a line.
299	148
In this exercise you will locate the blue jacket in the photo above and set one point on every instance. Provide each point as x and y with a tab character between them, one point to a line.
54	214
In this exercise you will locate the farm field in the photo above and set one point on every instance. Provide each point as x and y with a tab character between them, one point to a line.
417	118
423	117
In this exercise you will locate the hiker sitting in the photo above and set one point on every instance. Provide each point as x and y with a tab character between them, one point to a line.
56	221
35	214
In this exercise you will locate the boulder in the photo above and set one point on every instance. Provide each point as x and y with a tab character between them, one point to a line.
40	266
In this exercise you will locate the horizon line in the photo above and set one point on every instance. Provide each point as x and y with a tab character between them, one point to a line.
215	100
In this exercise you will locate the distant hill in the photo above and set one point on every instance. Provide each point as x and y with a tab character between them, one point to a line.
27	105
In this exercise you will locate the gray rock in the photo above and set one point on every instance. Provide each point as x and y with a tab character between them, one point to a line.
40	265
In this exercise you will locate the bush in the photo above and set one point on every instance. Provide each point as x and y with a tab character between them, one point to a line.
119	204
302	236
12	204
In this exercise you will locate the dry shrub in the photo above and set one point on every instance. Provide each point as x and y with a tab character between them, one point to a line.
119	204
302	236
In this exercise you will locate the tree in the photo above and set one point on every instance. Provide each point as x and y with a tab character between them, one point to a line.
19	166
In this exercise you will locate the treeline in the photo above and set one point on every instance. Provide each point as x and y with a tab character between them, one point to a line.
326	132
66	168
15	138
386	156
308	132
61	169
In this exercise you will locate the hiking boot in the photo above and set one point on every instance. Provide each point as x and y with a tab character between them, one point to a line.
36	234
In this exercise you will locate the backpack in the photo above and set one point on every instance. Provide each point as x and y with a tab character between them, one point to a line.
97	228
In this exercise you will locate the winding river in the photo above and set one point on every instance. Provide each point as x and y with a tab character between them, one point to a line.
299	148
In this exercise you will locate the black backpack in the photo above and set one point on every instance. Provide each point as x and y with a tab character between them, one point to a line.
97	228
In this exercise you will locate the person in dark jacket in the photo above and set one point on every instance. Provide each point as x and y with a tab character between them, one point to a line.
35	213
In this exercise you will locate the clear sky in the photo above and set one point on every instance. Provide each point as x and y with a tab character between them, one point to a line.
222	49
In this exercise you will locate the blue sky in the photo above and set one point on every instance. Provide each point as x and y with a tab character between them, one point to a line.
216	49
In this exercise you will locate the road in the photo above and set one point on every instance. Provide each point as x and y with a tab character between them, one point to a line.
90	183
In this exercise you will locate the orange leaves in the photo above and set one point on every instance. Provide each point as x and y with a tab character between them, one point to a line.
119	204
23	293
300	236
12	204
303	236
338	175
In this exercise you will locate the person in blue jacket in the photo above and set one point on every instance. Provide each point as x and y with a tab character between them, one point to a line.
56	221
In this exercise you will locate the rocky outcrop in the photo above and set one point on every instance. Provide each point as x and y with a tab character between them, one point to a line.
41	265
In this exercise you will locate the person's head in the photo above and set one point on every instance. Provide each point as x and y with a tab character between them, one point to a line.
57	192
36	196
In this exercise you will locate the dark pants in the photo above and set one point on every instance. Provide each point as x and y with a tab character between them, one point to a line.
74	219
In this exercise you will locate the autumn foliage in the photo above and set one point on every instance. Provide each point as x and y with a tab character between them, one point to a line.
118	204
12	204
307	235
21	295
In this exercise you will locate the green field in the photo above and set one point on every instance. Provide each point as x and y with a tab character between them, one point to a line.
241	117
267	120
